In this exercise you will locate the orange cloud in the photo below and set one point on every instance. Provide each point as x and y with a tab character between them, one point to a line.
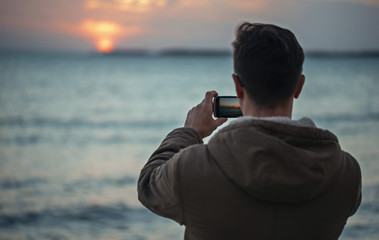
101	27
193	3
138	6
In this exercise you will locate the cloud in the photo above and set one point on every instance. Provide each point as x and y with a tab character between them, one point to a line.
158	24
193	3
365	2
141	6
372	2
138	6
101	27
250	5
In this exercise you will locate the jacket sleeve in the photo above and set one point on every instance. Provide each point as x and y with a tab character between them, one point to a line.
359	188
158	186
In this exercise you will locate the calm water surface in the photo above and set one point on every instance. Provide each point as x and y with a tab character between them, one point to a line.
75	130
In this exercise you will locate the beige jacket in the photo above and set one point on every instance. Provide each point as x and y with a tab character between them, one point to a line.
255	179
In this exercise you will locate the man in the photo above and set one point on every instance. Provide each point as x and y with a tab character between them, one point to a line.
264	176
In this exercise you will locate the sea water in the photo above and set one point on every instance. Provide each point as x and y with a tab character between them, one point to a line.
76	129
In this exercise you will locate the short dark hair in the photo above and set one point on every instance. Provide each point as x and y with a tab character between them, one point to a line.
268	61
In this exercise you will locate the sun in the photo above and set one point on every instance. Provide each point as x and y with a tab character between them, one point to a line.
105	34
105	45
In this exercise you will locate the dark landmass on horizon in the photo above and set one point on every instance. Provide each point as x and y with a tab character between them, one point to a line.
342	54
170	52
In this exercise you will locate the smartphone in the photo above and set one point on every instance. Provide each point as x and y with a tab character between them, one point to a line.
226	106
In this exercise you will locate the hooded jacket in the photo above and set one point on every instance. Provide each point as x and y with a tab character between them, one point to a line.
255	179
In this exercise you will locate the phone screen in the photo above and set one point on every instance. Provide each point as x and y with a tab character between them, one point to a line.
227	106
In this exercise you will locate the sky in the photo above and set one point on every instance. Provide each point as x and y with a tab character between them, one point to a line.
106	25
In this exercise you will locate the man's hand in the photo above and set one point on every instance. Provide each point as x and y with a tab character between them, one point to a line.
200	117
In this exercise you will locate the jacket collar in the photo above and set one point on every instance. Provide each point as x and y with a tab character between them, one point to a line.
302	122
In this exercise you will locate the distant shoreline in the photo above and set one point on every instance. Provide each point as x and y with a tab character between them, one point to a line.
342	54
186	52
171	53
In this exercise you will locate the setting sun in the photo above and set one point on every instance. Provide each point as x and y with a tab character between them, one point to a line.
105	45
106	34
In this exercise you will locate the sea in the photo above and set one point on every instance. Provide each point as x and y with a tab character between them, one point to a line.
76	129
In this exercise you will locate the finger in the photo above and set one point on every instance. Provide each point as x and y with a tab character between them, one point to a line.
209	96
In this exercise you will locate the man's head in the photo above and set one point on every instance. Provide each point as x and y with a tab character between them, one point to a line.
268	63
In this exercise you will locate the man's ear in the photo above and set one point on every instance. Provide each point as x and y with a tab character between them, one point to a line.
300	86
237	84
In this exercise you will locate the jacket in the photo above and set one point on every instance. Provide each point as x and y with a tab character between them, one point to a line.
255	179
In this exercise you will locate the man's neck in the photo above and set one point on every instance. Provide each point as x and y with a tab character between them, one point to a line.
251	109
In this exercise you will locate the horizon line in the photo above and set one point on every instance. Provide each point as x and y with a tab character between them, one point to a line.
186	51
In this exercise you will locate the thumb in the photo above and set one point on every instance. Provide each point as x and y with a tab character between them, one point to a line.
220	121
